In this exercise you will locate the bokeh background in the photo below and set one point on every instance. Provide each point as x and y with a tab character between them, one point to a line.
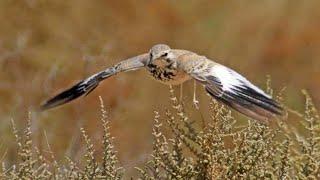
46	46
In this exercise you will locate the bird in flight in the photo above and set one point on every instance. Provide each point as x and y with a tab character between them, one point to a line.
174	67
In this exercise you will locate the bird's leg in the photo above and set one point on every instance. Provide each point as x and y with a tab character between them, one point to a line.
181	92
195	101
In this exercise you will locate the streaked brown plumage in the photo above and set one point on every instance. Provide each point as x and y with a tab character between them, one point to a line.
173	67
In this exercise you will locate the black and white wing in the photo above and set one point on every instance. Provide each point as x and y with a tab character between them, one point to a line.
234	90
86	86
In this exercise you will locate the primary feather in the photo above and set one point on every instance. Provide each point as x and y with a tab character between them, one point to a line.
236	91
83	87
87	85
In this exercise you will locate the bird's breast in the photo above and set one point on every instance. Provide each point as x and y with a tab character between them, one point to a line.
168	75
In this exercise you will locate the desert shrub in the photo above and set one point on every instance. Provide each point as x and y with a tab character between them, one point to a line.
33	165
222	149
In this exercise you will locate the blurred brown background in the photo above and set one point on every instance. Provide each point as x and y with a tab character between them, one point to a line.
45	46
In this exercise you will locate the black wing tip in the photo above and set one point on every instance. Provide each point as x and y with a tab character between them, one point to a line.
64	97
82	88
262	100
251	104
53	103
246	99
43	107
281	111
267	104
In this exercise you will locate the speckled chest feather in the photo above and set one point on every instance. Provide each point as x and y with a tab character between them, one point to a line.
167	74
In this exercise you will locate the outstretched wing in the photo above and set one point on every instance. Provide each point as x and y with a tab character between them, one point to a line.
234	90
86	86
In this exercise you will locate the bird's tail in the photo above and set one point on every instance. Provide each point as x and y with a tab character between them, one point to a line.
83	87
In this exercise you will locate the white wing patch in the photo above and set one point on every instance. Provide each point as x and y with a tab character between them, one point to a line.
230	80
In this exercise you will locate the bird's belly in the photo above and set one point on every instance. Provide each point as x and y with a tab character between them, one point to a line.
171	77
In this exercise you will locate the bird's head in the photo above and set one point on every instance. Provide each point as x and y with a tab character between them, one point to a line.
160	54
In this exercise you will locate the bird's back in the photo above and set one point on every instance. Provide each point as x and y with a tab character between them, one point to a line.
192	62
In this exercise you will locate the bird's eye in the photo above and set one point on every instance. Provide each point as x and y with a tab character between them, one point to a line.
164	55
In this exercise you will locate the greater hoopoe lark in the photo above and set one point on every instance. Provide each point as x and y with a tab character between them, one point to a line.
173	67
